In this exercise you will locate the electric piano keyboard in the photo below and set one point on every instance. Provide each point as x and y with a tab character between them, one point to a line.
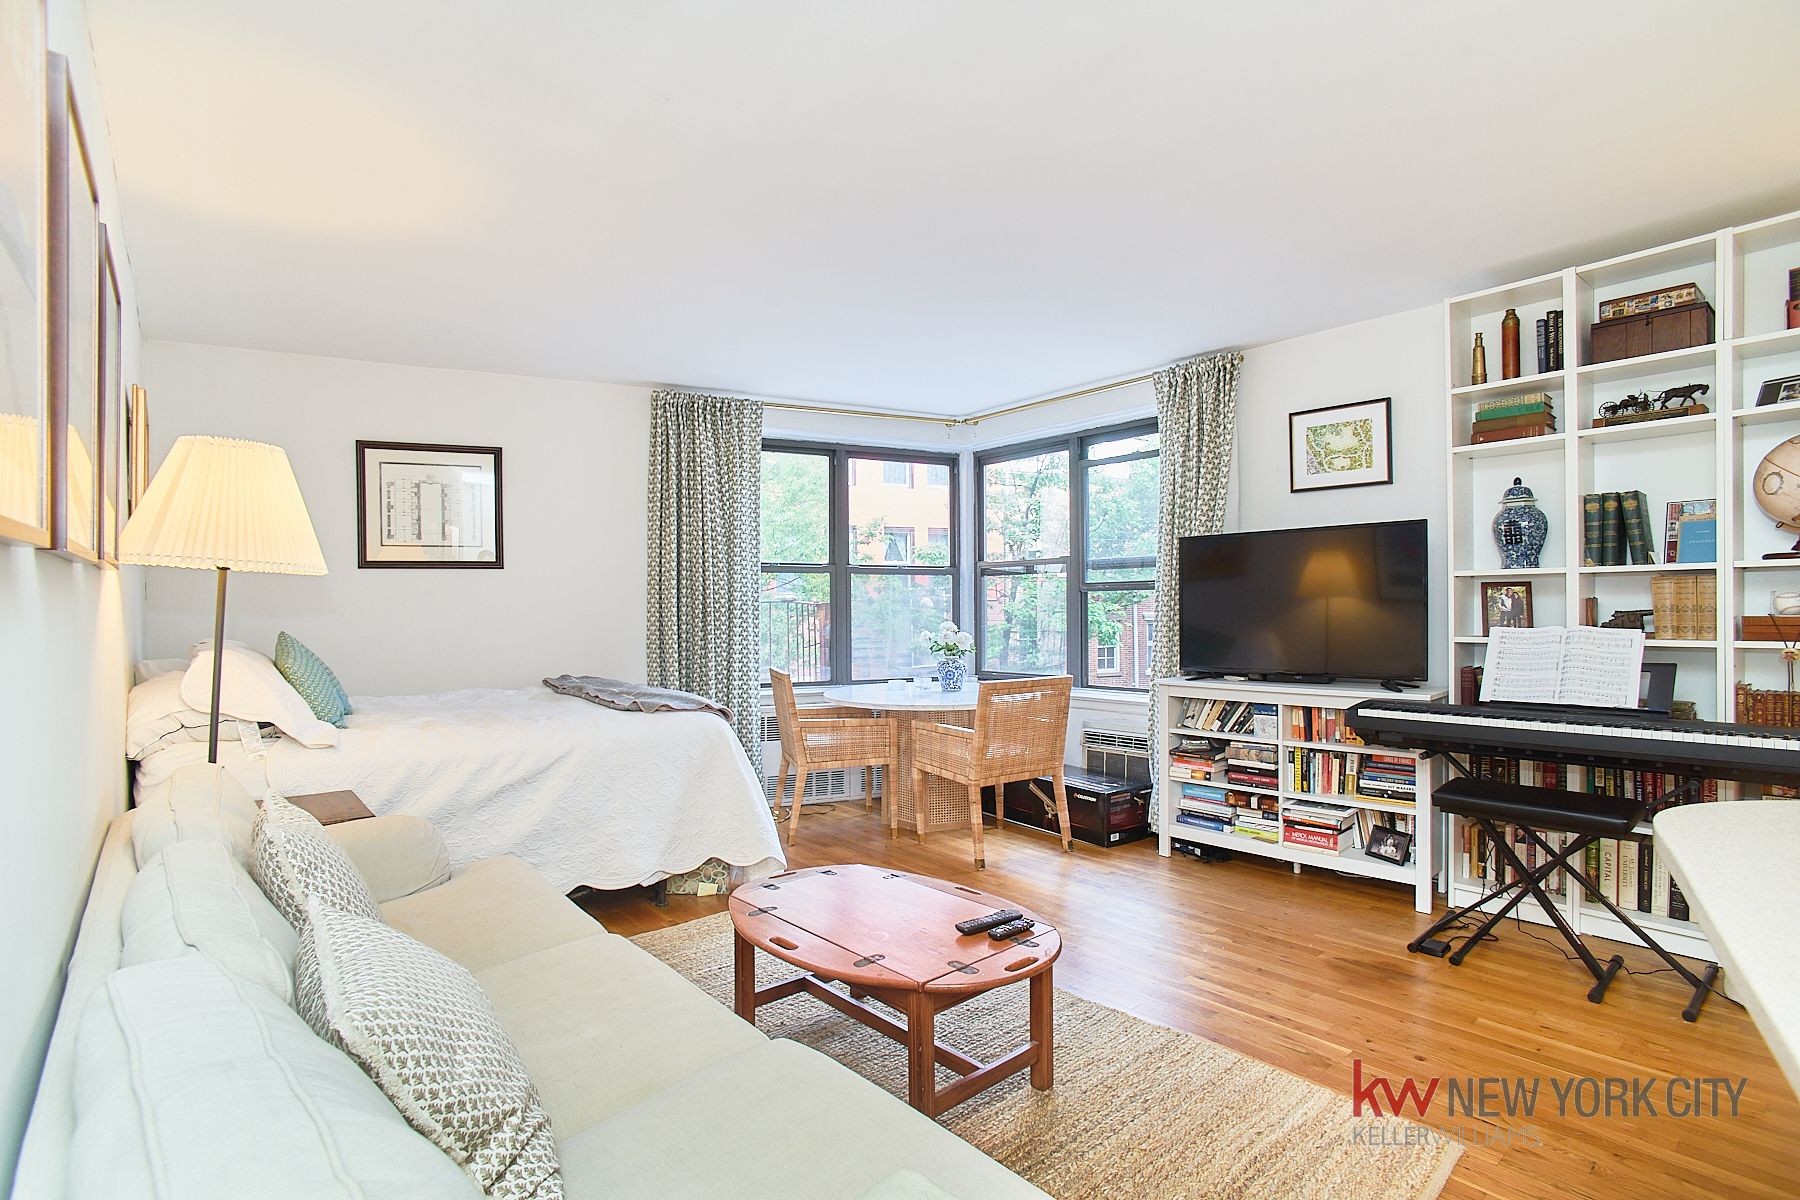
1602	737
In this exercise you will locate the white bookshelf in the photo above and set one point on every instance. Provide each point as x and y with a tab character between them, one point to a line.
1742	272
1169	694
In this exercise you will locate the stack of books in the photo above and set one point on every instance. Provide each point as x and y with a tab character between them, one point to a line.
1198	760
1686	606
1388	777
1260	820
1318	826
1323	772
1205	806
1323	725
1228	716
1513	417
1250	765
1691	531
1615	529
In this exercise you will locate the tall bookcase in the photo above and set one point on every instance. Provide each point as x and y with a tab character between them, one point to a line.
1170	693
1742	271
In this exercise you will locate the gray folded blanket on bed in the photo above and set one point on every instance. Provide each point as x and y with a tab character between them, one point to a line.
633	697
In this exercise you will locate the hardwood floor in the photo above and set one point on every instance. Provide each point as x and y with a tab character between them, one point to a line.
1311	972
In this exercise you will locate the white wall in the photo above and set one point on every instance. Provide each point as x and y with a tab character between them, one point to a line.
68	632
571	595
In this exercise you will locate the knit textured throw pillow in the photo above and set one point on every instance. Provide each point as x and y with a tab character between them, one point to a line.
309	676
291	857
422	1028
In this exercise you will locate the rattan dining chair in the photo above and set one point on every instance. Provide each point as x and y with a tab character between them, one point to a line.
826	739
1020	727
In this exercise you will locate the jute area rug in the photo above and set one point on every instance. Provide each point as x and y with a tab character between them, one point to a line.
1137	1111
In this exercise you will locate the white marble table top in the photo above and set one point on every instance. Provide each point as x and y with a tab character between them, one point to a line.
904	697
1739	867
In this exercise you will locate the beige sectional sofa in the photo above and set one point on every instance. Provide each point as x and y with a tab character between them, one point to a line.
653	1088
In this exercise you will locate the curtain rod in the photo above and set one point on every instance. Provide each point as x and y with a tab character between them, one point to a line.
952	422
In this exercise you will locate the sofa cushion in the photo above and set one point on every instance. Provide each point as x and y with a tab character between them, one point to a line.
810	1103
420	1026
194	898
190	1084
601	1024
396	855
202	803
292	858
490	912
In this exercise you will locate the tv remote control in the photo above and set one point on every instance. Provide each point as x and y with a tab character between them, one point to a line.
982	924
1010	929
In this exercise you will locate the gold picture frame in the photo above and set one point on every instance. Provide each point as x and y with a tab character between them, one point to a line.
77	461
25	494
137	447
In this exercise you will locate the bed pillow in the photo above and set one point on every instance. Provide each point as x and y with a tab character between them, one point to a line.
154	668
253	690
424	1030
195	899
309	676
156	716
292	857
190	1083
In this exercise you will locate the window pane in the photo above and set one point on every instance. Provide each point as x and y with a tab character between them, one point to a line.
890	618
1121	518
937	475
1119	627
796	507
1025	505
887	512
1025	619
1126	444
795	611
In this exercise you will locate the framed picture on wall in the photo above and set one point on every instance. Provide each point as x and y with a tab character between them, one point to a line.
137	447
24	368
1340	446
112	402
425	505
76	459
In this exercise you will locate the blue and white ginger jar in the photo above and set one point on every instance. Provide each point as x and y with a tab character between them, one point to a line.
1520	527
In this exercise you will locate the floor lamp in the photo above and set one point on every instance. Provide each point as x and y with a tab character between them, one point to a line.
225	505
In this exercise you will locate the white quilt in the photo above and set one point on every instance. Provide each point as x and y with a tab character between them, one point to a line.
585	794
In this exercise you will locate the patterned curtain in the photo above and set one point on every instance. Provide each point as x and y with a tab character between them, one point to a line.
705	553
1196	412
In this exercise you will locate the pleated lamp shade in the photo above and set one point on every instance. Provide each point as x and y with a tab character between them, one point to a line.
222	502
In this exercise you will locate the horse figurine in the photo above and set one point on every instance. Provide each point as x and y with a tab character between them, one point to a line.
1681	397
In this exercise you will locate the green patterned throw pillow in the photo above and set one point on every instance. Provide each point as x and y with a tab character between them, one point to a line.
309	676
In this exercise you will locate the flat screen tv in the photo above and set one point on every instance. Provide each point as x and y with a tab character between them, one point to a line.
1340	602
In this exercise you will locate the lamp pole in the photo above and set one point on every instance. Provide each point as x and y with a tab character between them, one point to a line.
212	732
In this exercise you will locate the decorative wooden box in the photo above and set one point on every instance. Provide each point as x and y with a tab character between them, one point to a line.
1651	333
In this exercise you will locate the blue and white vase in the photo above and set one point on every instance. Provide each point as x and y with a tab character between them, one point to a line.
951	673
1520	527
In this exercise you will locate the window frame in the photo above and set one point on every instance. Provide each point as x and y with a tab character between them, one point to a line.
1075	563
838	567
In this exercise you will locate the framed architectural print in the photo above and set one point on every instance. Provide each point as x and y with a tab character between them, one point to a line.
137	447
112	402
1344	445
74	286
423	505
24	370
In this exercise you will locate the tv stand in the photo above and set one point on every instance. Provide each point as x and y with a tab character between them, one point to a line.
1398	685
1285	744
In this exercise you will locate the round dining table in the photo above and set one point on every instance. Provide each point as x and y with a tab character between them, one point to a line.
945	805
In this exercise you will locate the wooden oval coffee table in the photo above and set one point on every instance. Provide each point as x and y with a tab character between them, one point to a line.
892	935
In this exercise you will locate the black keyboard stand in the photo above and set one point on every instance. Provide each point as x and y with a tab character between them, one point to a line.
1532	809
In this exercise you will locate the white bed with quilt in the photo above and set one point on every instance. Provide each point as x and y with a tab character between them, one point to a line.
587	795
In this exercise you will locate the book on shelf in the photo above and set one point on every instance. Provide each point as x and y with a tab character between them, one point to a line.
1612	530
1468	685
1543	346
1677	515
1591	525
1537	429
1554	665
1537	416
1309	838
1634	508
1556	339
1531	403
1224	716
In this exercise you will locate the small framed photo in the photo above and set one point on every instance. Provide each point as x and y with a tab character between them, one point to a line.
1344	445
1778	391
1389	845
1505	606
425	505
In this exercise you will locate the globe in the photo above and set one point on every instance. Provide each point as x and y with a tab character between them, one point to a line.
1777	489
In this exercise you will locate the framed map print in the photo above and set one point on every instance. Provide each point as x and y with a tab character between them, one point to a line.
1344	445
423	505
24	370
76	457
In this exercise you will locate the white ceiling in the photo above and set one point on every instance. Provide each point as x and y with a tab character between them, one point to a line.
938	205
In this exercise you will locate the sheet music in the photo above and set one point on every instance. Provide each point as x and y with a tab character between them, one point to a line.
1589	666
1523	665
